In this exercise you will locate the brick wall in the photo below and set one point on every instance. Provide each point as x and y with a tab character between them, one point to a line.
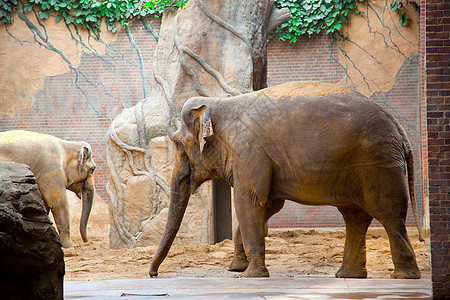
113	82
311	60
307	59
84	113
303	60
403	102
437	93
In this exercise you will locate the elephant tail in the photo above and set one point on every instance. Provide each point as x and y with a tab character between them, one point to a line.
410	167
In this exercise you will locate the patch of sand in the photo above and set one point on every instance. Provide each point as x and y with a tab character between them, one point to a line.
289	253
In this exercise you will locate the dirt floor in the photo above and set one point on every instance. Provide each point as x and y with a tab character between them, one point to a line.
289	253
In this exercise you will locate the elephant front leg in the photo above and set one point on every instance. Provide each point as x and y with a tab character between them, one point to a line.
251	223
60	212
357	222
239	262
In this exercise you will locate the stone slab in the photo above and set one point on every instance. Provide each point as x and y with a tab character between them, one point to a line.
249	288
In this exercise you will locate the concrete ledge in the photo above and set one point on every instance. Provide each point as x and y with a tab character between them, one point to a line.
246	288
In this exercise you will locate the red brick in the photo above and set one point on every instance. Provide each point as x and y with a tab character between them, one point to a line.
438	166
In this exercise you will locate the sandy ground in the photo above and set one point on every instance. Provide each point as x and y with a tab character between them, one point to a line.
289	253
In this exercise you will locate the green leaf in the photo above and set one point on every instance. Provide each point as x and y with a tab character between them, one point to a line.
27	7
337	26
90	18
394	5
329	22
44	14
404	19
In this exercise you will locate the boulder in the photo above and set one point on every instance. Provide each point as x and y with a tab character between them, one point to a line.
32	261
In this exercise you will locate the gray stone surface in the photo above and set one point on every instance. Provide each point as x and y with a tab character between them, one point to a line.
249	288
209	48
32	261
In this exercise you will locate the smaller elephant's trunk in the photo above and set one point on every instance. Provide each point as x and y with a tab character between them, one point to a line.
88	199
179	198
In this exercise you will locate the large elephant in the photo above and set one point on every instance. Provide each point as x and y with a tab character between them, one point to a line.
309	142
57	165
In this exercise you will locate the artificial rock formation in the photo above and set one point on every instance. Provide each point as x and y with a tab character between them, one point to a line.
32	261
208	48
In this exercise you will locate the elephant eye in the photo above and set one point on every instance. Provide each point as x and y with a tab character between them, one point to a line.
91	170
179	146
177	143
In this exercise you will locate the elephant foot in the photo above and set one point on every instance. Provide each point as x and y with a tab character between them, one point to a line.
354	273
413	273
67	244
238	264
256	272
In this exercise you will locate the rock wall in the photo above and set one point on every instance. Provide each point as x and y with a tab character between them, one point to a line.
32	261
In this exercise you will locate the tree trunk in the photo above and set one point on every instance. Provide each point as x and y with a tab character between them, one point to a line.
208	48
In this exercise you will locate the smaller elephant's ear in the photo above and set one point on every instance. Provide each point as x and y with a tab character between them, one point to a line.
206	126
83	155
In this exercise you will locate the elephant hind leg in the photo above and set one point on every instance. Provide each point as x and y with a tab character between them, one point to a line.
403	257
387	196
240	262
354	262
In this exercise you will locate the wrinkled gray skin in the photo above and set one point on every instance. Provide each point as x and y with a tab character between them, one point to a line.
339	150
57	165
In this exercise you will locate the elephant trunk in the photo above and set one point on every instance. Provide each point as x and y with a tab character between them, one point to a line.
88	199
179	197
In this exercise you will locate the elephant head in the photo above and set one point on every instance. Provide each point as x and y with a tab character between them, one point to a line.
80	177
195	163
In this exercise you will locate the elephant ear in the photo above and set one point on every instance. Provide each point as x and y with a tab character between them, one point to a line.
83	155
205	128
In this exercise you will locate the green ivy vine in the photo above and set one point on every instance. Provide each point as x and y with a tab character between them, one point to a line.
89	13
309	16
312	16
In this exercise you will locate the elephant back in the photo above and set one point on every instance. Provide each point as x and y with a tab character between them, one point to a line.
14	136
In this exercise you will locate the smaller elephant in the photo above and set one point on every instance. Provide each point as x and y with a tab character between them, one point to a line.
57	165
